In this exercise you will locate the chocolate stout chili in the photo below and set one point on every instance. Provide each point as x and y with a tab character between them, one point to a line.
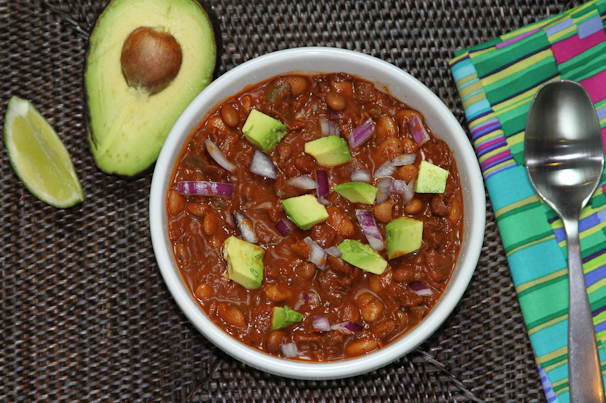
329	309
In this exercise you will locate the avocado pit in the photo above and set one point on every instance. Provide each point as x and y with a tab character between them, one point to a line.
151	58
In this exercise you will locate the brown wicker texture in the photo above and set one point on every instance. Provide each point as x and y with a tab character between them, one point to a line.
85	315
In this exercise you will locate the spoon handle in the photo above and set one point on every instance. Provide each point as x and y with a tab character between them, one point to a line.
584	370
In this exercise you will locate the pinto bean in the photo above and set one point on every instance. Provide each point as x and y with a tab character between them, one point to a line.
340	222
298	85
306	271
230	115
175	202
389	149
197	209
231	314
203	291
455	210
181	252
361	346
335	101
415	206
274	340
386	128
277	292
383	328
343	87
409	146
211	223
370	306
404	274
405	115
408	172
383	211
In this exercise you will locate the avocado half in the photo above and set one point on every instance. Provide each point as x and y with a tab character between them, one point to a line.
147	60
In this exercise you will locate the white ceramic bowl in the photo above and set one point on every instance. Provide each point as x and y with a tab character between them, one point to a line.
387	77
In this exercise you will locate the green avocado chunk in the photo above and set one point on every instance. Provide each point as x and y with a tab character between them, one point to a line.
404	235
431	178
244	262
147	61
262	130
357	192
362	256
329	151
305	211
283	317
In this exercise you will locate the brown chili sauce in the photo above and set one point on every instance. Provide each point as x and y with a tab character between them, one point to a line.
384	306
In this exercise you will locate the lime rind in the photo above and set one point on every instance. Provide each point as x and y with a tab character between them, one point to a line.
39	157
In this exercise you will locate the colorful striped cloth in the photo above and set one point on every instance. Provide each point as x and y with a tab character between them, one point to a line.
497	81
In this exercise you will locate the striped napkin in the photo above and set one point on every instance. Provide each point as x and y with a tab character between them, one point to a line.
497	81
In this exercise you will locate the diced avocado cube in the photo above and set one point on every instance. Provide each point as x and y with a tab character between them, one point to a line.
283	317
262	130
305	211
362	256
357	192
329	151
244	262
404	235
431	178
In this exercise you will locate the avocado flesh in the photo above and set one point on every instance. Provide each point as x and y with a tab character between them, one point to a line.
431	178
126	126
363	256
244	262
284	316
329	151
263	131
305	211
404	235
357	192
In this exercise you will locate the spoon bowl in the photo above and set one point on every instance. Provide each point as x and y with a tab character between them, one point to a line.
564	154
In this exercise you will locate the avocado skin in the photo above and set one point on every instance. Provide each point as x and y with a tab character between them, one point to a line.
214	21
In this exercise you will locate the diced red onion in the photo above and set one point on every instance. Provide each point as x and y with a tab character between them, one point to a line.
262	165
407	190
318	255
246	228
370	229
307	298
349	326
283	226
204	188
384	190
329	128
334	251
304	182
218	156
420	288
231	221
361	133
404	159
419	134
320	323
289	350
360	175
264	206
323	187
387	169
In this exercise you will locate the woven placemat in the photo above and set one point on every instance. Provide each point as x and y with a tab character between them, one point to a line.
84	313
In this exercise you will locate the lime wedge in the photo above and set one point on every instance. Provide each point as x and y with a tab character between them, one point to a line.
38	156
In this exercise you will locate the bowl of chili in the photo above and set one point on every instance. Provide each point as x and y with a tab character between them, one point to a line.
335	237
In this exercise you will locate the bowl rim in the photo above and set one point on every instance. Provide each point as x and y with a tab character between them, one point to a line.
255	358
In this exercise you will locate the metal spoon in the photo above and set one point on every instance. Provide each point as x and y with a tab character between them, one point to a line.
564	156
